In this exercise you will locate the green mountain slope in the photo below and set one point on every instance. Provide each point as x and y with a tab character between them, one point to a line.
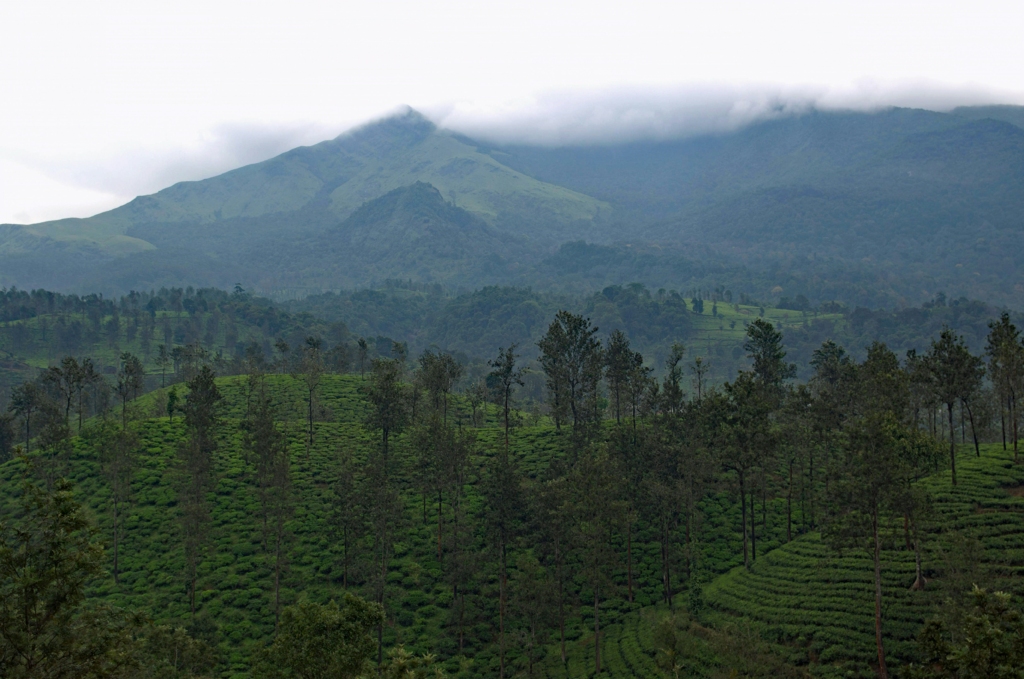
889	207
333	177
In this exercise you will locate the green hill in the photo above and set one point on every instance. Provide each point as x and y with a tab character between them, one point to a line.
800	605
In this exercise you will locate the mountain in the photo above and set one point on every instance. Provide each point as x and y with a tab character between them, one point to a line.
880	208
307	190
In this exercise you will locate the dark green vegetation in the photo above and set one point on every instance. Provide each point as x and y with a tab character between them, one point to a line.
868	208
624	524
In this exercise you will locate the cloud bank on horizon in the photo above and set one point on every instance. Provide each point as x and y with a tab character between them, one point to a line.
111	99
626	114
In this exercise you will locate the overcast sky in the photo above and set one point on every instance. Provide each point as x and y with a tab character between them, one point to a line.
102	101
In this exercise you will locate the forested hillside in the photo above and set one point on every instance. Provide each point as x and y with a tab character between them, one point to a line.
886	208
609	520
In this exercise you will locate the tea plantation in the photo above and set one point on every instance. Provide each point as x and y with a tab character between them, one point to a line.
801	607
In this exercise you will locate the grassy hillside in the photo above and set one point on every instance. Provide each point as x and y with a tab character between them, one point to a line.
339	175
236	578
801	604
817	605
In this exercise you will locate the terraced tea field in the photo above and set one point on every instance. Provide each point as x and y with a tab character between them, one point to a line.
818	606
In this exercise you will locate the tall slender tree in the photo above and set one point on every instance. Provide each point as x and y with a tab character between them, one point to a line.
195	456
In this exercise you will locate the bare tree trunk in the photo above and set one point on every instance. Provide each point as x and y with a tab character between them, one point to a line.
974	430
919	580
277	582
116	530
597	636
561	602
629	558
952	442
1013	416
789	505
743	513
501	616
883	672
1003	423
753	527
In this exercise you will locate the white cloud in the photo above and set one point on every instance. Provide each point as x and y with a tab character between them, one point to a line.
121	97
28	196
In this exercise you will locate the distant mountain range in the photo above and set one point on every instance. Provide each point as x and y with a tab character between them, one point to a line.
871	208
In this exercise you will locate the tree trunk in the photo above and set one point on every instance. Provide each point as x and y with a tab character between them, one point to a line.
974	431
1013	416
811	493
501	617
664	565
629	558
309	436
117	521
883	673
561	602
963	425
952	442
753	527
789	505
919	580
743	513
597	636
277	581
1003	423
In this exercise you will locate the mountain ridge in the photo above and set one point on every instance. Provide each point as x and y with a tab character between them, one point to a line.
905	203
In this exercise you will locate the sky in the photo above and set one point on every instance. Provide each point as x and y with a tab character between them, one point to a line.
101	101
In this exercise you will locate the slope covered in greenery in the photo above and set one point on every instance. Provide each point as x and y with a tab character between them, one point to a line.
890	207
236	592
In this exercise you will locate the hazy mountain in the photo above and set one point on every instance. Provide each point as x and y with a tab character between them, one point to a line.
868	207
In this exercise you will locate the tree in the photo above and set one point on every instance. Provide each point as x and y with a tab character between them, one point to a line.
89	378
7	436
311	366
532	593
26	400
321	641
48	555
741	417
1006	368
507	377
363	351
273	482
383	508
764	347
505	511
439	372
618	362
163	360
699	369
671	388
117	451
572	359
597	518
196	466
348	518
881	459
986	641
65	380
172	653
954	372
129	382
386	394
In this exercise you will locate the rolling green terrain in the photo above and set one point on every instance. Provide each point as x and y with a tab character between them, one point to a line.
801	605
